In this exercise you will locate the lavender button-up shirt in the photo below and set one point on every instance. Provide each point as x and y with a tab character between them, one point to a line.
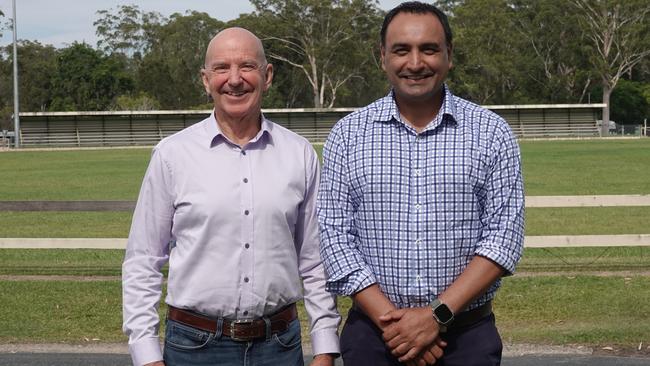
238	228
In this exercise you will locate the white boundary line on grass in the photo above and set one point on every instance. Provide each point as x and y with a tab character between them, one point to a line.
529	242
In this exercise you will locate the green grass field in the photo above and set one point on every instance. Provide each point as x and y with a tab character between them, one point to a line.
578	167
563	299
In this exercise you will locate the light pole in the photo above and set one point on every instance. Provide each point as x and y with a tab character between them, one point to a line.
16	106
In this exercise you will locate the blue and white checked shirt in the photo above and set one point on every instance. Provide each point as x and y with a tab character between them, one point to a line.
409	211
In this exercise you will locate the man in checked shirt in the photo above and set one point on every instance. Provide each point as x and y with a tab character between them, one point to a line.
421	209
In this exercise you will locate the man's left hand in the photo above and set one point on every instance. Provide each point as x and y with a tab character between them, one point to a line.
412	330
324	359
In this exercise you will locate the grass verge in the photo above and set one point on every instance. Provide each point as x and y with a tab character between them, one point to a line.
539	221
585	310
96	262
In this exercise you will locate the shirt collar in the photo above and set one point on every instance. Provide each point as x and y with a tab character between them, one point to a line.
388	110
214	135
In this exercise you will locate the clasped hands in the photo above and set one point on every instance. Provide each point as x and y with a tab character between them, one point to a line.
412	335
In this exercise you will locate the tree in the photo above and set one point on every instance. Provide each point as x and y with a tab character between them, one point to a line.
126	30
37	67
170	71
485	69
556	64
138	102
629	105
88	80
619	35
330	42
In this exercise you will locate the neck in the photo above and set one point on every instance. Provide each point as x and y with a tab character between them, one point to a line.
239	130
418	113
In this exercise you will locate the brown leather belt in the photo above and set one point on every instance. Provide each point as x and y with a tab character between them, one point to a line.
471	317
238	330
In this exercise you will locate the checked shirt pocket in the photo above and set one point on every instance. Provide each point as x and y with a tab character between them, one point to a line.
182	337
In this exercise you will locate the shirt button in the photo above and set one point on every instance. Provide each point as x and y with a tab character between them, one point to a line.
418	172
246	212
417	207
246	279
418	277
247	245
245	180
243	152
418	241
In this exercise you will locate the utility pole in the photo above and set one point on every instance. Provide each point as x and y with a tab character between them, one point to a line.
16	105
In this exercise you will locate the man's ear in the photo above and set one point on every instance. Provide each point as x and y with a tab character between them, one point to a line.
382	55
269	76
205	80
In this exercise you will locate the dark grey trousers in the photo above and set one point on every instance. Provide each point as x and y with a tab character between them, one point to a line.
475	345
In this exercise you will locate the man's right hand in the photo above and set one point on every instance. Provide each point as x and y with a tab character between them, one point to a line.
157	363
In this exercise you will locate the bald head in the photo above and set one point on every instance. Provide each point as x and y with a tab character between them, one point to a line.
235	36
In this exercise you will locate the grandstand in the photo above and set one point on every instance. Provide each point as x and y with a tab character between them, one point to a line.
136	128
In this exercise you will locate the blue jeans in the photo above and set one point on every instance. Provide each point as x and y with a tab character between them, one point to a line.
188	346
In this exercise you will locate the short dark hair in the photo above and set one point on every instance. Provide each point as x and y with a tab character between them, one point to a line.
416	7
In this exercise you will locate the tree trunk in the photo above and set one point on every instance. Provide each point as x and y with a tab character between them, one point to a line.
604	126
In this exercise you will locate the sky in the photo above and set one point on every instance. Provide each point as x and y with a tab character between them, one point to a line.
61	22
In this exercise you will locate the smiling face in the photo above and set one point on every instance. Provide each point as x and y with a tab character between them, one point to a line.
236	75
416	57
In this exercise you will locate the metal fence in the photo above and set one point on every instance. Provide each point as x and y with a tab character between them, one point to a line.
133	128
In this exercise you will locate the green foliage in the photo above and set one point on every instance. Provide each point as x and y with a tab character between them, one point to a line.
88	80
485	70
325	53
170	71
37	66
629	104
139	102
331	45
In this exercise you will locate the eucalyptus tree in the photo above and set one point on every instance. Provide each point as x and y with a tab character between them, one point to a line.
331	43
618	32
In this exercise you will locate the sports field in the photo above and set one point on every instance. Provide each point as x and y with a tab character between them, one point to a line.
561	296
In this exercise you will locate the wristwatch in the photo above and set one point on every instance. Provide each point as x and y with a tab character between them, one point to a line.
442	314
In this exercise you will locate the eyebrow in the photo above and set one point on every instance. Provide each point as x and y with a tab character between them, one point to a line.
434	45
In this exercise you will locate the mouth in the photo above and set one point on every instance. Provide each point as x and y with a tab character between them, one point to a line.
235	93
416	77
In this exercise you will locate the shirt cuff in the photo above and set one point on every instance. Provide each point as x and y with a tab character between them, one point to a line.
325	341
145	351
501	256
353	282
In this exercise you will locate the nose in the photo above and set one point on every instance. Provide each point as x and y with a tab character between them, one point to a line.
234	76
415	60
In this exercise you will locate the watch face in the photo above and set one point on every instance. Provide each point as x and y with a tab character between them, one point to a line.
443	313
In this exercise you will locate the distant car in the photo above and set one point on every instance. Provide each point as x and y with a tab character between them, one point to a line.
612	124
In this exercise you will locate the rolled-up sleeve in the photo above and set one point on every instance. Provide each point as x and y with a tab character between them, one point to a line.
346	269
147	251
320	305
502	216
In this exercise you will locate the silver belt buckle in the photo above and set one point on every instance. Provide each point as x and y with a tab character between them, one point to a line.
232	329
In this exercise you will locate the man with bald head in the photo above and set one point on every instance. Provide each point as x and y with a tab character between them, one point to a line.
230	203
